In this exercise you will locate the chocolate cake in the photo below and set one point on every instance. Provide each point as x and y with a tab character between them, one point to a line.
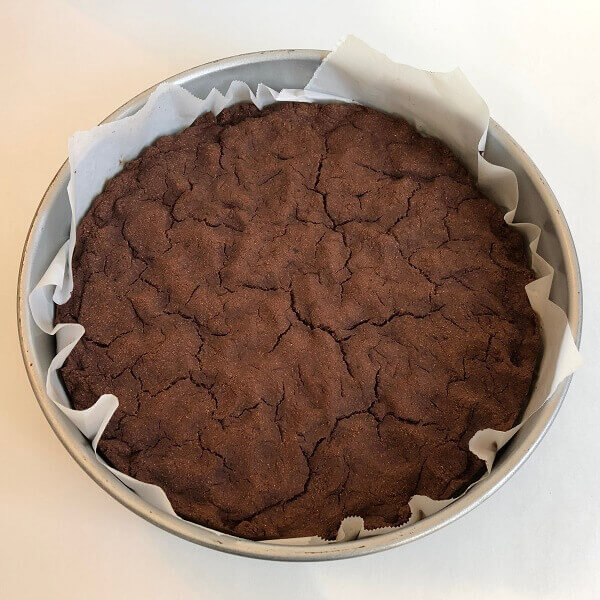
306	312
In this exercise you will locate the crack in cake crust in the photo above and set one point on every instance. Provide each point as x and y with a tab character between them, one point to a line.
306	312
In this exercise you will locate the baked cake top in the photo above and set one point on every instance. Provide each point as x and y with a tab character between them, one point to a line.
306	312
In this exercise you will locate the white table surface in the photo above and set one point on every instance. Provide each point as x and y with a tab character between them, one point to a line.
66	64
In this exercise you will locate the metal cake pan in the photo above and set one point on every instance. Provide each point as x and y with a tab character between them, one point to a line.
293	69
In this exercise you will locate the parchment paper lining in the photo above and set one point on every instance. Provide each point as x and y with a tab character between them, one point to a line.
443	105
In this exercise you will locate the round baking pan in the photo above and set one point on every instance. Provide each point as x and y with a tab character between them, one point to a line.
293	69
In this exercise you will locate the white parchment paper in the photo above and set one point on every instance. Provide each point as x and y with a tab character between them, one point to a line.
443	105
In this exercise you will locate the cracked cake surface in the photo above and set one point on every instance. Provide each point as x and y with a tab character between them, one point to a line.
305	312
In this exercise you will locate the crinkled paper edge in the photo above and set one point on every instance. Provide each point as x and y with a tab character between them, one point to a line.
443	105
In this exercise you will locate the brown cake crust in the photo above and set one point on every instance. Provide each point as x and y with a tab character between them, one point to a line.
306	312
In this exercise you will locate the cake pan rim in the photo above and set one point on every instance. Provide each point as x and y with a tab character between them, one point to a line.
75	443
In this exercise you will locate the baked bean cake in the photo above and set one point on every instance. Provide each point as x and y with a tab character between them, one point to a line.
306	312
